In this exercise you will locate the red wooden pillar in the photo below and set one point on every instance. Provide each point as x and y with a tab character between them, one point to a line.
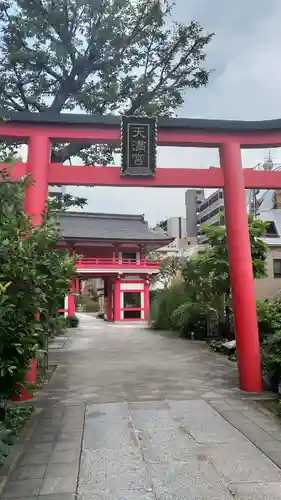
36	195
32	372
241	271
71	300
38	158
146	292
117	300
109	300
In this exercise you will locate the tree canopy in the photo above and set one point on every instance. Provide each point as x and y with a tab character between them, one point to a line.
170	268
213	266
99	57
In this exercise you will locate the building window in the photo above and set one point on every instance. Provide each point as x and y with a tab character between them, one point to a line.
271	231
180	228
203	206
277	268
132	305
132	300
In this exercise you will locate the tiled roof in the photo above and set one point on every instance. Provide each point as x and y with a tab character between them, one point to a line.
102	226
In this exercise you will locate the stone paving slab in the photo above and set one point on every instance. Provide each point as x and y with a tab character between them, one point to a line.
245	463
124	495
256	491
58	342
50	463
134	415
203	423
179	453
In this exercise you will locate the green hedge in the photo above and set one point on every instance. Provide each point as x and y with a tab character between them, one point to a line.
269	315
190	320
72	321
164	304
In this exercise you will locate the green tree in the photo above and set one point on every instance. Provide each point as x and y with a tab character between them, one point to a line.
98	56
207	277
170	270
20	333
32	278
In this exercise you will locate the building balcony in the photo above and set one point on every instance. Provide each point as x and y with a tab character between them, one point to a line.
116	266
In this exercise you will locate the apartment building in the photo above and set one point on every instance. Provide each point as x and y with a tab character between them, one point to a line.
268	210
174	227
202	211
210	213
193	200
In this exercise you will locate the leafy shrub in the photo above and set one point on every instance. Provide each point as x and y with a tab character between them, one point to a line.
190	319
16	418
153	295
271	358
33	278
72	321
269	317
90	304
57	325
166	301
20	337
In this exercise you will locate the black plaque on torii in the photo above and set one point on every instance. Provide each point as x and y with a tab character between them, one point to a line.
138	146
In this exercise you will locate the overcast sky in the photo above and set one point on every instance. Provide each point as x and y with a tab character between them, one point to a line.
245	85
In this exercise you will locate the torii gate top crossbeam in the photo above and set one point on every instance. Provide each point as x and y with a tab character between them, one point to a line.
172	131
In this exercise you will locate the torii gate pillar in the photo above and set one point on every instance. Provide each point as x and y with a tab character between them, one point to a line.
241	269
37	167
36	195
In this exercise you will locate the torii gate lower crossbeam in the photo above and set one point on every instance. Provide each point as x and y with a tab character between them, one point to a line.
229	137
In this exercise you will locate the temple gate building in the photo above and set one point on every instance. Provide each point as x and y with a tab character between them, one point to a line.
113	247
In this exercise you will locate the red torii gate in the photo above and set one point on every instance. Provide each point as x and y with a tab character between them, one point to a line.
40	129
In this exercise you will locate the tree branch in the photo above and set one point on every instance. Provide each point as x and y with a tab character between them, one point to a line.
68	151
27	102
10	104
11	99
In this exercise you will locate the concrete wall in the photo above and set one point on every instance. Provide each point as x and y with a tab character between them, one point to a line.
273	253
191	205
176	227
267	287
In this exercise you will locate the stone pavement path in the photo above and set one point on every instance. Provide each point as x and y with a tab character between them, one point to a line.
134	415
